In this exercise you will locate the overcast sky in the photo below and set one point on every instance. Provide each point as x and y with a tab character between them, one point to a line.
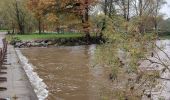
166	9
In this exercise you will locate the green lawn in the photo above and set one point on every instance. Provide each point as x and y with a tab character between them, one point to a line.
165	37
45	36
3	30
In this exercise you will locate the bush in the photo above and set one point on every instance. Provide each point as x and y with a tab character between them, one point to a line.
15	40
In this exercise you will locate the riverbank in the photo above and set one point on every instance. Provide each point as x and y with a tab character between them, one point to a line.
18	84
54	40
40	88
164	37
37	36
51	40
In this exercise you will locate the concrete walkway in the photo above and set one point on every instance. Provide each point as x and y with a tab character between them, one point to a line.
18	85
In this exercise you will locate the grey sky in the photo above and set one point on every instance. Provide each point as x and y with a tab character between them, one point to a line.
166	9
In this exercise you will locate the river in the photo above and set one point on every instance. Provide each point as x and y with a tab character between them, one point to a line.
69	74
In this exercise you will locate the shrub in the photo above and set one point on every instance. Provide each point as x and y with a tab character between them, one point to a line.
15	40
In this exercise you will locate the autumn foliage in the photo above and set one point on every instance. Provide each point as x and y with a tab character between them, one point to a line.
55	8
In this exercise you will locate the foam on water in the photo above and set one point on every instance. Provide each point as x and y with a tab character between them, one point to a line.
37	83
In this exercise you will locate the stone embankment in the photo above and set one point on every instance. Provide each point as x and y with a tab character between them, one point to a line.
55	42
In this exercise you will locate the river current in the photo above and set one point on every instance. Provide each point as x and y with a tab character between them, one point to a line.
69	73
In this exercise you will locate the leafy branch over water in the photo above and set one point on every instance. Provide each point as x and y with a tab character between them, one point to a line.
127	54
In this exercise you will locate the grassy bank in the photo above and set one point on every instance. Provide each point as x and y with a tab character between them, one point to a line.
29	37
51	39
164	37
3	30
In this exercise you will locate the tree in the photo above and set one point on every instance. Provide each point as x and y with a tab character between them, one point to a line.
36	7
124	7
164	25
20	16
157	4
80	8
145	9
108	7
123	51
16	17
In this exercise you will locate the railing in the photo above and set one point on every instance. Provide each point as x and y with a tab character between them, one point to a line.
3	60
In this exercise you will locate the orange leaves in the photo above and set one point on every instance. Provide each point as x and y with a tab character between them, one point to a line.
52	17
75	6
54	9
36	7
45	3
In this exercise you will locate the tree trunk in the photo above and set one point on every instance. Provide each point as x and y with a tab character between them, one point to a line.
85	21
124	9
39	26
43	27
156	26
155	17
105	7
140	8
20	19
128	10
13	28
110	8
141	26
104	20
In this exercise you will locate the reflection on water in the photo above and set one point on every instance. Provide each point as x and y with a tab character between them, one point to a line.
68	74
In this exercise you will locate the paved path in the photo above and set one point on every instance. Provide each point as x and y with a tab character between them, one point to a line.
18	85
2	35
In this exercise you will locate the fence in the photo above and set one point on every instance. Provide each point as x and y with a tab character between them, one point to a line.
3	59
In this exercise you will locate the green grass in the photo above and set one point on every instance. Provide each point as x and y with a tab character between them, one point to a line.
165	37
45	36
3	30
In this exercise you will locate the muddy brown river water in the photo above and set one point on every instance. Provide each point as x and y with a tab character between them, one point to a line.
69	74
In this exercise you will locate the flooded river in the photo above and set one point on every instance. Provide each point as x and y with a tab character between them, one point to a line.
69	74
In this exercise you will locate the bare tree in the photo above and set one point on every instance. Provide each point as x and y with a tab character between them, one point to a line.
20	17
